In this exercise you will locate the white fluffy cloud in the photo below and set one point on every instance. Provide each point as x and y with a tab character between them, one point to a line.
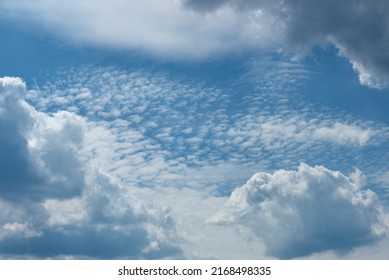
313	209
54	201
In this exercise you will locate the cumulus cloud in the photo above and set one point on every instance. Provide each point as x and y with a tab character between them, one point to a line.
54	202
313	209
37	162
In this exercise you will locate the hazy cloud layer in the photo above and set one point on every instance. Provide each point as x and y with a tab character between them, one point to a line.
313	209
160	27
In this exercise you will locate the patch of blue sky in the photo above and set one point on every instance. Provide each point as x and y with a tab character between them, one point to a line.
336	85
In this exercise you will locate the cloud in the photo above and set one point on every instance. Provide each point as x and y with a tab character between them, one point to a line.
299	130
17	229
104	223
313	209
341	133
18	173
155	137
135	160
39	156
191	207
211	5
162	28
357	28
55	201
194	29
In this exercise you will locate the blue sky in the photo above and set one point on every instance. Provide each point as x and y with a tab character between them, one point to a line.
190	129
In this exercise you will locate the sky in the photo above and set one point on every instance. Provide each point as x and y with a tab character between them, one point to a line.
192	129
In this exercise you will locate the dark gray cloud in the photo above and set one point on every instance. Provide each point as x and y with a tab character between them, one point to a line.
103	223
25	174
17	174
16	171
360	29
84	242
